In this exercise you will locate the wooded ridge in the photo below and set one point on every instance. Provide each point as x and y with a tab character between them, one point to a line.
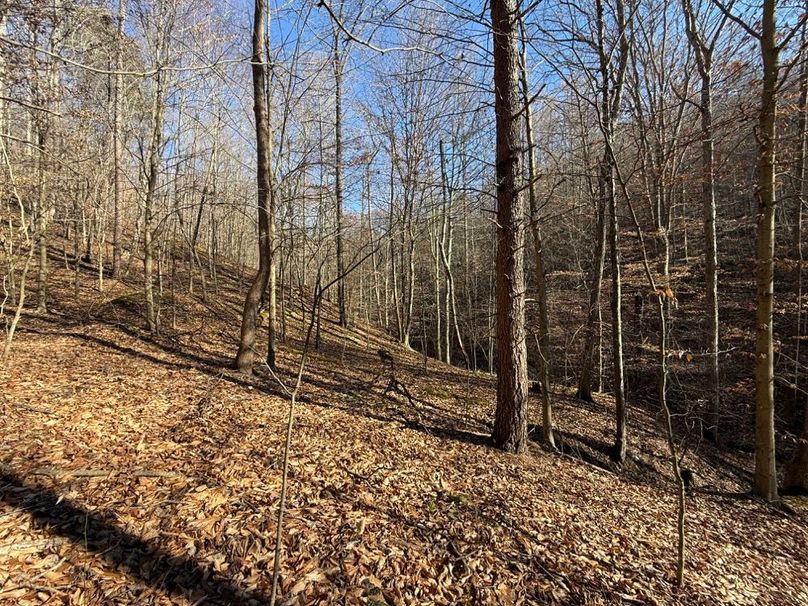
304	303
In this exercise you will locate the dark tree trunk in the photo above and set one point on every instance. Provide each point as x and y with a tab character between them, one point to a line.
510	425
245	358
343	315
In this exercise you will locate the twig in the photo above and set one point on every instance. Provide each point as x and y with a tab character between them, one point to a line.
319	290
338	22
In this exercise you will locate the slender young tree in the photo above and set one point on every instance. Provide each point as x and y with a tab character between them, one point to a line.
703	44
117	144
154	159
245	358
606	79
338	65
796	473
445	246
538	251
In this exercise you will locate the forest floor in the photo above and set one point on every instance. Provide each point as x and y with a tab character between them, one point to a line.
141	470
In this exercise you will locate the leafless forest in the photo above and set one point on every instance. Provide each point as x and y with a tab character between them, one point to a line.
403	302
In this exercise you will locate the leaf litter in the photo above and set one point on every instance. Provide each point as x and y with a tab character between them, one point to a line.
139	470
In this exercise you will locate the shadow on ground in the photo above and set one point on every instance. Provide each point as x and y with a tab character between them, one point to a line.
98	533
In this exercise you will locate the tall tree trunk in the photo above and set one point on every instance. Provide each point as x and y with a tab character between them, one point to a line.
435	243
4	118
407	266
390	276
704	61
42	218
272	282
44	136
796	475
446	245
117	144
618	387
154	160
271	243
245	358
765	484
593	326
374	258
510	424
338	71
611	88
710	251
610	103
538	254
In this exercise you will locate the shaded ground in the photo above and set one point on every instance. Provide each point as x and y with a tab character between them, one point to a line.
142	471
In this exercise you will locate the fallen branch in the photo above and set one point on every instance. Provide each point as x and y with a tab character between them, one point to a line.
398	387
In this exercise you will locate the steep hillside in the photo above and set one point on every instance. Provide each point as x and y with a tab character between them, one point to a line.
140	470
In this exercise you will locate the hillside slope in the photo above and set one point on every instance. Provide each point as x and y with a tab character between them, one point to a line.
139	470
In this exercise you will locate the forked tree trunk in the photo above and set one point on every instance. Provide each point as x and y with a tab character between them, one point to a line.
611	89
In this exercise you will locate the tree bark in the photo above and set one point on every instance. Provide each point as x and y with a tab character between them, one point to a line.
117	144
153	167
593	321
796	473
765	483
618	387
710	254
338	71
41	218
510	424
704	62
446	245
245	358
538	255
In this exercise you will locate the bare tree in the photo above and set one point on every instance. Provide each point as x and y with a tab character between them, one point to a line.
245	358
538	252
510	424
163	27
703	41
796	473
117	143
